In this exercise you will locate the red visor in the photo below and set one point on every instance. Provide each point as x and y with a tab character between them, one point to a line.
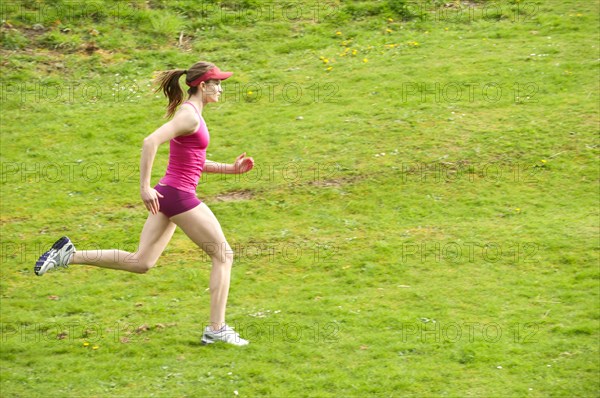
213	74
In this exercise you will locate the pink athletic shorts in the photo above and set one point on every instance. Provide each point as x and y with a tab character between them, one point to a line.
175	201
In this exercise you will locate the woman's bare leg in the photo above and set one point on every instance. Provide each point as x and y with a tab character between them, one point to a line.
156	234
203	228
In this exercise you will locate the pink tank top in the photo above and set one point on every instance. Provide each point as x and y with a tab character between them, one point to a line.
187	154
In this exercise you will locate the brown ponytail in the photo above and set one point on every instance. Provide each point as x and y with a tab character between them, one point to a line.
169	83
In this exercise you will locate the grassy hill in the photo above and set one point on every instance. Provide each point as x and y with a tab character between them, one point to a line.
422	219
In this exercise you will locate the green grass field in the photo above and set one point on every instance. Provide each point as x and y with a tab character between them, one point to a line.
422	220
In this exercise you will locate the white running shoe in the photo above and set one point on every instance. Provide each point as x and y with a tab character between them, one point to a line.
57	256
226	335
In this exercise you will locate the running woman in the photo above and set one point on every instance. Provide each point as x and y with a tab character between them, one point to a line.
173	202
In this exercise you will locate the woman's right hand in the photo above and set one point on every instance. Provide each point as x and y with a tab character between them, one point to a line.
150	197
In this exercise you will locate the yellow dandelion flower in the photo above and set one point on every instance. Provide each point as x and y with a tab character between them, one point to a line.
325	61
329	69
389	30
86	344
250	93
518	210
354	52
543	160
390	20
95	347
338	33
365	60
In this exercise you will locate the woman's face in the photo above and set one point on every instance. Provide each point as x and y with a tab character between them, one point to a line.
212	91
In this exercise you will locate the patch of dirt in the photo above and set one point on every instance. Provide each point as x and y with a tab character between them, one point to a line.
234	196
327	183
460	4
336	182
10	220
185	42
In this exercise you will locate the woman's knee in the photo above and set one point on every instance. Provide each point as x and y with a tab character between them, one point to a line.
142	264
221	253
229	255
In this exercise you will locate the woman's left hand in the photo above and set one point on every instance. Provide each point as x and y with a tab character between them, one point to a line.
243	164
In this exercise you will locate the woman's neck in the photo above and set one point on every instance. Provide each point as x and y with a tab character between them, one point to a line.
197	103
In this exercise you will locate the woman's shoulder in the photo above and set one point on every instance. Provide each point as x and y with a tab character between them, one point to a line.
187	119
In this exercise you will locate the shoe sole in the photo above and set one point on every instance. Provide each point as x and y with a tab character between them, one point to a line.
205	341
209	342
56	247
